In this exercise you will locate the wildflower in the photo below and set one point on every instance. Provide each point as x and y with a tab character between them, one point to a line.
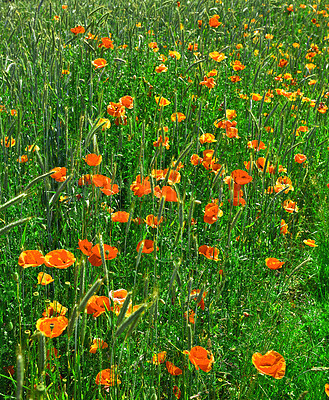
56	18
99	63
209	252
52	327
163	102
98	344
213	72
253	144
64	7
118	296
290	206
44	279
283	227
167	192
164	142
211	213
214	21
234	78
7	142
148	246
159	358
195	294
22	159
90	36
199	23
140	186
269	36
31	258
116	109
310	242
93	159
178	116
161	68
322	108
127	101
153	221
207	138
192	47
200	358
241	177
177	392
256	96
237	65
107	43
95	258
97	305
271	363
172	369
300	158
120	216
60	259
54	309
191	315
108	377
78	29
273	263
209	82
174	54
217	56
196	160
231	114
106	122
59	174
85	246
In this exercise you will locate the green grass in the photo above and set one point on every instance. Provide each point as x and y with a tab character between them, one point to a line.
249	308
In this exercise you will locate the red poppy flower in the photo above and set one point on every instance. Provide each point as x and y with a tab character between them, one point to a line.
31	258
97	305
172	369
271	363
241	177
209	252
273	263
61	259
211	213
148	246
214	21
95	257
52	327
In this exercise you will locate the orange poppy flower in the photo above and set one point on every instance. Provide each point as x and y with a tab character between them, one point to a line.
84	180
162	142
209	252
93	159
78	29
271	363
195	294
225	124
231	114
108	377
211	213
161	68
98	344
107	43
31	258
196	160
109	188
44	279
97	305
290	206
300	158
22	159
100	180
234	78
174	176
176	390
200	358
217	56
283	227
152	221
214	21
118	296
59	174
326	389
163	102
172	369
167	192
107	123
95	258
120	216
207	138
209	82
174	54
180	117
54	309
253	144
85	246
283	182
191	316
273	263
52	327
99	63
153	45
241	177
116	109
7	142
127	101
140	186
310	242
256	96
158	174
60	259
159	358
148	246
238	66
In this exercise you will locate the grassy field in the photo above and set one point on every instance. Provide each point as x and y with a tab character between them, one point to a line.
164	184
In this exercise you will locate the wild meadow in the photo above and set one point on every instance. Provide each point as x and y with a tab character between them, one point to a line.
164	184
